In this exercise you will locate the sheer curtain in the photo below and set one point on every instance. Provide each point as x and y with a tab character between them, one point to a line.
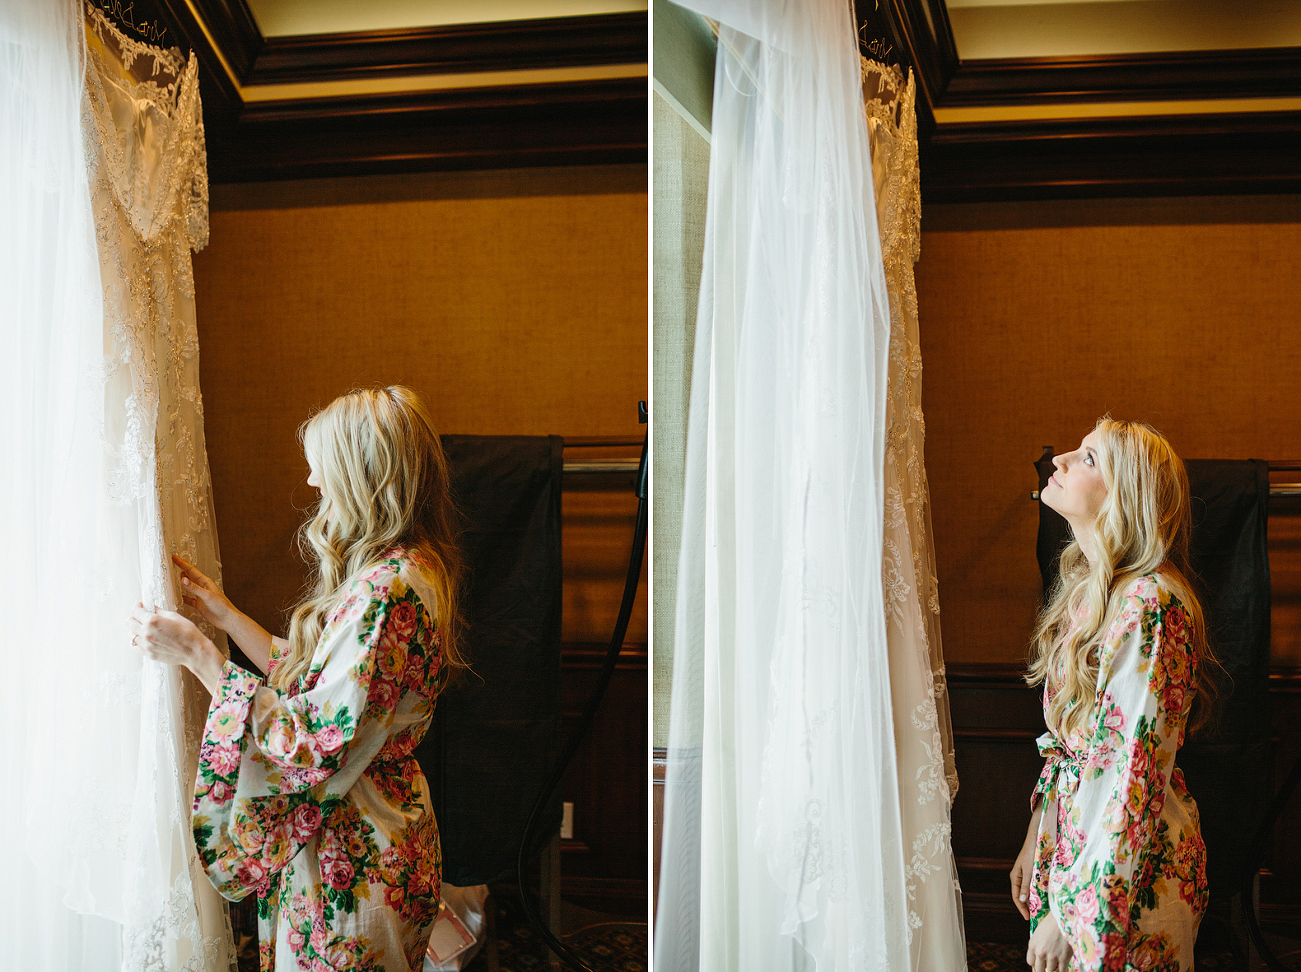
95	385
783	847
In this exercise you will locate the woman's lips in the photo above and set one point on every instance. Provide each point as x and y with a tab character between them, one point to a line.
1053	479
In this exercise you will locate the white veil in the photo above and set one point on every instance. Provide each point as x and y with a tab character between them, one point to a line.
782	840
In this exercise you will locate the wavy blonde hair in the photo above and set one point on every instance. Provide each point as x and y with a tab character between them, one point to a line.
384	483
1143	527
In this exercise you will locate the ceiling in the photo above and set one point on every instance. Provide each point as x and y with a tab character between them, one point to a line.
279	18
1059	28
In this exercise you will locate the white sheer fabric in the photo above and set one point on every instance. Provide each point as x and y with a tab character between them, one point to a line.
923	733
783	842
104	192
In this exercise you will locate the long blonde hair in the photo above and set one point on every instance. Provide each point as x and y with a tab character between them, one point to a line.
384	483
1143	527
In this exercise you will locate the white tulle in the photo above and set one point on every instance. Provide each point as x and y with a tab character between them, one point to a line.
783	841
104	475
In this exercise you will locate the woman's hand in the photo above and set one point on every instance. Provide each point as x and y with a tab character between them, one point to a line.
203	594
173	639
1049	950
1023	870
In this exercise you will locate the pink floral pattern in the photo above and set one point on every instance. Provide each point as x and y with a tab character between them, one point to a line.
312	798
1120	861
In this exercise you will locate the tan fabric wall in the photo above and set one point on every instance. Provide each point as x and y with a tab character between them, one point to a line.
1037	318
515	302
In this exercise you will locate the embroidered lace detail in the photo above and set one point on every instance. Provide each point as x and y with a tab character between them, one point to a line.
147	161
922	735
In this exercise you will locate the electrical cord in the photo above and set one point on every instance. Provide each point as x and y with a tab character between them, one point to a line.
1254	856
566	954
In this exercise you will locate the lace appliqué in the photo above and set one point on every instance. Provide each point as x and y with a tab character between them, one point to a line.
923	737
147	161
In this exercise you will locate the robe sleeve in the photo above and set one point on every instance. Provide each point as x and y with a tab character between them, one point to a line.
1145	678
268	762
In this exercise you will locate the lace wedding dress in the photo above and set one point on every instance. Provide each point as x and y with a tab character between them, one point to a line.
131	856
923	732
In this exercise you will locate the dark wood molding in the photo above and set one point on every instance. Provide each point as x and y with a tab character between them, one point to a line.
581	123
513	45
236	32
505	126
584	654
1168	155
1162	76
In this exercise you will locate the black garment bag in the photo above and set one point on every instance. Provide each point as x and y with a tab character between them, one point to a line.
495	733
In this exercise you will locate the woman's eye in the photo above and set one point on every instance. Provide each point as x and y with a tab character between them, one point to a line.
1089	460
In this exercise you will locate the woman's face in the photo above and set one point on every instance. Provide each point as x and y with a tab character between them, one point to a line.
313	477
1076	489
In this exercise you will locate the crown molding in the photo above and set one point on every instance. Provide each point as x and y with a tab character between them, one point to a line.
582	122
1162	76
458	48
1240	153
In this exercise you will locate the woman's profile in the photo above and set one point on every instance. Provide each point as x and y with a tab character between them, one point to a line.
1112	874
307	790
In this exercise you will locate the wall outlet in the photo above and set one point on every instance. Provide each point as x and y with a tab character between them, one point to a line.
567	821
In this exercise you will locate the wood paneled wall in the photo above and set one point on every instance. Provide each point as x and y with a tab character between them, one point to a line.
515	302
996	719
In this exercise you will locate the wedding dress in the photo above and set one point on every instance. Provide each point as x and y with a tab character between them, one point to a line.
923	732
110	477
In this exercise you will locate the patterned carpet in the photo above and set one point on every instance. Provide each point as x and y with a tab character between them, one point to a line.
619	946
612	946
1218	949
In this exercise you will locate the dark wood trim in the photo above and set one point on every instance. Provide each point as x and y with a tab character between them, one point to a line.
584	654
1165	76
925	30
580	123
507	126
1169	155
627	896
513	45
236	32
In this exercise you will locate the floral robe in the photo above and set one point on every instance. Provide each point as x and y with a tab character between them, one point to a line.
1120	860
313	798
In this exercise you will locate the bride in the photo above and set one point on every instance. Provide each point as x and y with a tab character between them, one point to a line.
308	793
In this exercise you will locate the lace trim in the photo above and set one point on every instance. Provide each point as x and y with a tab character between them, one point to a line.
147	219
909	583
150	202
169	60
891	105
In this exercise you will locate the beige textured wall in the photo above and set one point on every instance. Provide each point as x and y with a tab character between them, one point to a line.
1036	318
514	302
681	179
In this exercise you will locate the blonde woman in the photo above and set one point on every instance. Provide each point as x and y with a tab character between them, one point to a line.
1112	875
307	790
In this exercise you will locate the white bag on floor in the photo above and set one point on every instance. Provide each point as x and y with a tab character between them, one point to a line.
459	930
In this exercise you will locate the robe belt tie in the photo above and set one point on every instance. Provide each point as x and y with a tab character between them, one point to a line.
1061	771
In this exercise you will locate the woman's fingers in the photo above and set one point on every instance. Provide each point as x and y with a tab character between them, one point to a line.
196	578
